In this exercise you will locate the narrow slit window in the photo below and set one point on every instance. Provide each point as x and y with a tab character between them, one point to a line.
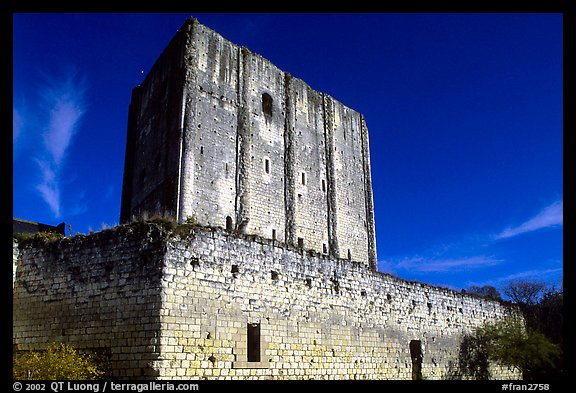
253	342
201	149
324	248
266	165
229	224
323	185
303	178
349	255
273	234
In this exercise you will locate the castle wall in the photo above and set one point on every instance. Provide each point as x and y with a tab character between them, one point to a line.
320	318
349	209
263	100
208	191
171	307
310	182
102	293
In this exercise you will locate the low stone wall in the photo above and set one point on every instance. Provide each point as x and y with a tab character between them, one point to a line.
99	292
211	304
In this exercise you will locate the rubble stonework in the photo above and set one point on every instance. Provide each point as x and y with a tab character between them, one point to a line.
165	306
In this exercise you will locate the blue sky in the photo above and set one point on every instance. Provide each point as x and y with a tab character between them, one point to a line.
464	113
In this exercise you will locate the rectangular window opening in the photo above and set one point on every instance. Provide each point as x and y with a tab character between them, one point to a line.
301	242
253	342
303	178
323	185
273	234
266	165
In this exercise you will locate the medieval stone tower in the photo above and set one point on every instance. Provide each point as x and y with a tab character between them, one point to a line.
220	134
277	279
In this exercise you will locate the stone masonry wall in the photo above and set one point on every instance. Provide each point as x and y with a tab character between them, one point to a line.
170	307
219	133
208	157
100	292
308	189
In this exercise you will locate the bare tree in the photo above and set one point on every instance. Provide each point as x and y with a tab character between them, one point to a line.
542	307
487	291
525	292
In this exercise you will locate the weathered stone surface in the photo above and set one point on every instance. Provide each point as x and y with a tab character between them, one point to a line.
170	307
220	134
288	290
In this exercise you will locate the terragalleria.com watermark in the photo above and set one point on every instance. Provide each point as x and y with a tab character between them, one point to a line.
101	387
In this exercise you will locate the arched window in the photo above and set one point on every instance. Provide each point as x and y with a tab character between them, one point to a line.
267	105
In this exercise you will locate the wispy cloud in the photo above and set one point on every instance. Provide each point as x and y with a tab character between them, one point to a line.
476	252
16	125
550	216
530	274
48	187
533	274
65	113
429	265
59	115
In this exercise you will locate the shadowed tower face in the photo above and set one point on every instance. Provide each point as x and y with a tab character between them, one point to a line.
220	134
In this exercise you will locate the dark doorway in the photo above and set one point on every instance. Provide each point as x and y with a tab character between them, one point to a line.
229	224
253	342
416	355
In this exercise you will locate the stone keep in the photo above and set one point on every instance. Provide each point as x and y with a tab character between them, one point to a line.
220	134
277	177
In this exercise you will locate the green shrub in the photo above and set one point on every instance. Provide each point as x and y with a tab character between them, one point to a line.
38	238
528	350
506	343
59	361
